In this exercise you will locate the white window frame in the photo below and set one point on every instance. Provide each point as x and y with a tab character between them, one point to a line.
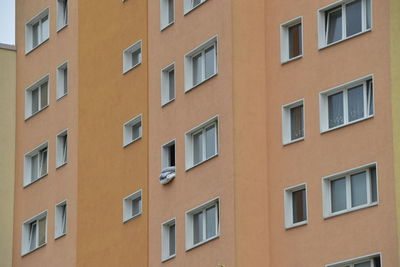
164	14
165	84
25	234
188	60
127	130
127	63
28	96
29	31
324	104
326	190
189	161
165	240
189	7
352	262
62	14
61	91
28	164
60	219
61	158
323	29
165	154
285	39
288	202
286	122
127	206
189	223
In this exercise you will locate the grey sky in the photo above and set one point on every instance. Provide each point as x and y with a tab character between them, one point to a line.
7	21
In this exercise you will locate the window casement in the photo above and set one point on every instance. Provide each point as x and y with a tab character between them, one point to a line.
350	190
132	206
168	154
347	104
295	206
61	219
167	13
168	84
201	143
37	30
293	122
292	40
37	97
62	80
373	260
62	148
343	20
34	233
36	164
132	57
202	224
132	130
168	240
62	14
201	64
189	5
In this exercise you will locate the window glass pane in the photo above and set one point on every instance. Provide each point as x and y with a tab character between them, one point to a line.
32	235
197	69
35	101
34	167
356	102
43	95
195	2
65	12
299	206
65	80
136	130
211	138
338	194
171	84
374	187
353	18
358	189
136	57
171	155
334	25
170	11
35	34
368	14
296	122
43	161
197	148
211	217
377	261
335	109
197	227
363	264
210	62
64	148
45	29
295	43
370	97
64	219
171	240
42	231
136	206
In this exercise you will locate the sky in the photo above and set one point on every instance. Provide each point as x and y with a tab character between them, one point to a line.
7	21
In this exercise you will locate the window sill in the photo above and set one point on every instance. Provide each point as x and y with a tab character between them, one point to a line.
37	112
200	163
62	27
351	210
62	164
293	141
347	124
61	97
166	103
44	175
203	242
296	225
193	8
342	40
59	236
133	141
166	26
131	68
168	258
34	48
283	62
29	252
131	218
200	83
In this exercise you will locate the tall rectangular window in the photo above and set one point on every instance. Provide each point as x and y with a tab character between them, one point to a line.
133	130
36	164
295	206
34	233
132	206
293	122
167	12
37	30
132	57
291	40
62	148
168	240
37	97
62	14
62	80
61	219
168	84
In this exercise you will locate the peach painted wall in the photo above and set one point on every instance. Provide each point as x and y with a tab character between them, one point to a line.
61	183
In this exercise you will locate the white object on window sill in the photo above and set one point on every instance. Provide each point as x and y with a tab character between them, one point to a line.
167	174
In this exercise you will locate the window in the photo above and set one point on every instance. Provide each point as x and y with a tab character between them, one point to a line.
189	5
37	30
168	240
62	148
202	143
61	219
133	130
168	154
36	162
344	20
132	206
167	13
296	206
364	261
34	233
62	80
132	56
62	14
350	190
202	224
347	104
291	40
293	122
37	97
168	84
201	64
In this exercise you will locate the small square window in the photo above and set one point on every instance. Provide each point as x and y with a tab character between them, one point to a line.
364	261
296	206
62	80
62	148
293	122
168	241
291	40
37	30
132	206
36	164
34	233
62	14
189	5
37	97
132	56
133	130
168	84
167	13
61	219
